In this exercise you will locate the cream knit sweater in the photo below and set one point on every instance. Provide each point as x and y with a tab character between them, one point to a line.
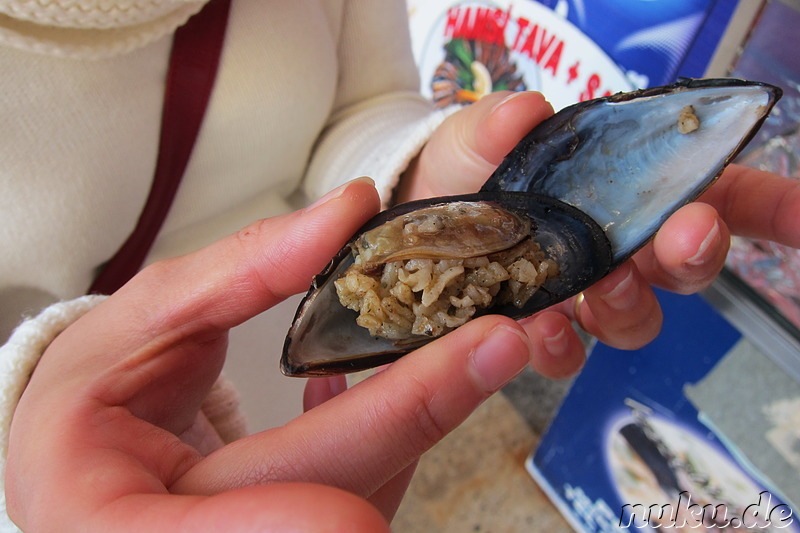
309	95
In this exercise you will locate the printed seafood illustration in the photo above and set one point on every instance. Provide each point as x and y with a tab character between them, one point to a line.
471	69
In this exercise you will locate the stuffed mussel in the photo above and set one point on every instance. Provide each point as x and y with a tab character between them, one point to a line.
575	198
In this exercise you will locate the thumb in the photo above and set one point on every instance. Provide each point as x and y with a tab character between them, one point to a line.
468	146
375	430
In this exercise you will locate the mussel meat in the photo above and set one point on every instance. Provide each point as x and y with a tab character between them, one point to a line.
581	193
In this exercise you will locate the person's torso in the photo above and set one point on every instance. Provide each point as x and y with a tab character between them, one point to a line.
80	138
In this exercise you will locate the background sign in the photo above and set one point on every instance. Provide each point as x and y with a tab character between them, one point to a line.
569	50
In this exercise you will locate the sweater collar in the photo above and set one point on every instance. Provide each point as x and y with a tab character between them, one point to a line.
90	29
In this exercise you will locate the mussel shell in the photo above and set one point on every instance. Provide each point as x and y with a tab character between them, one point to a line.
598	179
625	160
324	338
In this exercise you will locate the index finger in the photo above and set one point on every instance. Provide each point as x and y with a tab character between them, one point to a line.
758	204
232	280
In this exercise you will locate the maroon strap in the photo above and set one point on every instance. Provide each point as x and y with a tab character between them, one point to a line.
193	65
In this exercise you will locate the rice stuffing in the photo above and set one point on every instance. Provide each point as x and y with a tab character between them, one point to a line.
429	297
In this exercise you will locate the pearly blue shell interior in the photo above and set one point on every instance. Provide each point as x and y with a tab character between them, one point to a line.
627	165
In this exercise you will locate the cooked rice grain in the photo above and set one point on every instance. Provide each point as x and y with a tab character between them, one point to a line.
431	297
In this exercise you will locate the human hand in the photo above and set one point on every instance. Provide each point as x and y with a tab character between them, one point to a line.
109	434
686	255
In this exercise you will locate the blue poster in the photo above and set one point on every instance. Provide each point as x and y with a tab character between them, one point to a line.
629	448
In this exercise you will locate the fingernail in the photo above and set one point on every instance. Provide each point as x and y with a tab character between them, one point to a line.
337	385
500	356
703	253
558	344
505	100
338	191
625	295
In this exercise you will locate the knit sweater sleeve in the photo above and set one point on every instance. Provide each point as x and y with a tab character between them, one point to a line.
18	358
380	121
